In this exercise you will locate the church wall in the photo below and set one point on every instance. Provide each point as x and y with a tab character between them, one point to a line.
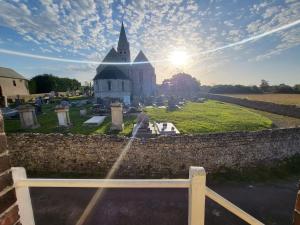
102	91
147	87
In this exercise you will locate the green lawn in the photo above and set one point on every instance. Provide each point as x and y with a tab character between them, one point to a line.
48	123
211	116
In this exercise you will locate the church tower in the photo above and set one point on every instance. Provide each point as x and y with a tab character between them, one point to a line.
123	46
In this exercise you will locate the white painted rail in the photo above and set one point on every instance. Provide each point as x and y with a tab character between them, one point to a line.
104	183
231	207
196	185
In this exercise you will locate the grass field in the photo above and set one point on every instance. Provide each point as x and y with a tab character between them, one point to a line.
48	123
211	116
279	120
286	99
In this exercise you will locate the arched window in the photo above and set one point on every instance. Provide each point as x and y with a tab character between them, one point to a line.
123	86
109	85
141	77
14	83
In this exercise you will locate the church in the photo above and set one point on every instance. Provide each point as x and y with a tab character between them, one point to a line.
124	82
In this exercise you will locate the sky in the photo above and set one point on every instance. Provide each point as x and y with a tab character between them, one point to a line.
85	30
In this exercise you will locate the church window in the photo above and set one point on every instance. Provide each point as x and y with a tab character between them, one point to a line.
141	77
14	83
109	85
123	86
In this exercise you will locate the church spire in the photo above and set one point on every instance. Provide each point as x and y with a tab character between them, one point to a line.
123	45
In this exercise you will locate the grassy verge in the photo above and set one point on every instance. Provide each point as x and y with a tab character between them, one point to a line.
279	120
211	116
283	169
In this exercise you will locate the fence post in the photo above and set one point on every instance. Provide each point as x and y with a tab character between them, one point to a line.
197	178
23	197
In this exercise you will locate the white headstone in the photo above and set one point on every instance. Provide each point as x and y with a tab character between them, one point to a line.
117	116
95	120
28	117
63	115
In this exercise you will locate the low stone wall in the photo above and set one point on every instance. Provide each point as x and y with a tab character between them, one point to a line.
157	157
286	110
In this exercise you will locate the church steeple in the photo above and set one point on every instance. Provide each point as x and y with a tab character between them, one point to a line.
123	45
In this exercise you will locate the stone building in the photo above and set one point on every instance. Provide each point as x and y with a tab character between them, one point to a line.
12	85
124	81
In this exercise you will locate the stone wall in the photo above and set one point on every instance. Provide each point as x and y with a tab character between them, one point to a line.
296	218
8	201
286	110
157	157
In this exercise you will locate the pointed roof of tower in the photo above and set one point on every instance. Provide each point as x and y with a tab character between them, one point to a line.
112	56
141	57
122	37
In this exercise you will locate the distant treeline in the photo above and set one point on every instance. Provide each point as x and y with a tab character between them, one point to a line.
263	88
46	83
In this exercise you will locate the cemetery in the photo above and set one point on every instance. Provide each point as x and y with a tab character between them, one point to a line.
68	116
209	117
85	116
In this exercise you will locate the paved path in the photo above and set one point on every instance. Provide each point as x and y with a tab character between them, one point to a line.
272	203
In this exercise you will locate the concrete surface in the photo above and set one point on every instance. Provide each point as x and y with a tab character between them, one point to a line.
272	203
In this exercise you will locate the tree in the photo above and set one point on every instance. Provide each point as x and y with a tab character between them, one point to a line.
297	88
234	89
264	86
46	83
283	88
180	85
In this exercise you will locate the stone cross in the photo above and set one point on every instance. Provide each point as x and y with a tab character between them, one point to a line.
28	117
63	115
117	116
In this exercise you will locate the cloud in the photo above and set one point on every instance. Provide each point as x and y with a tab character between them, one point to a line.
86	29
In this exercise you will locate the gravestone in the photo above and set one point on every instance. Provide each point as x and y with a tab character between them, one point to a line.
83	112
95	120
144	128
27	117
63	115
117	116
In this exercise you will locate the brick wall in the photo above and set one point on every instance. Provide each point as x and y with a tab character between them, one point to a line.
8	207
286	110
155	157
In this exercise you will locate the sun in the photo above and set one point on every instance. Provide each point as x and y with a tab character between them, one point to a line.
178	57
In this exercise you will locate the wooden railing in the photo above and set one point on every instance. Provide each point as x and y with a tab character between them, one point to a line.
196	185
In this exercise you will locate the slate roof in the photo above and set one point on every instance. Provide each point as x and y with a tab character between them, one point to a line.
122	38
112	56
142	58
111	72
9	73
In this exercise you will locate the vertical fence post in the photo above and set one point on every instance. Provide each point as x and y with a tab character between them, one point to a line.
23	197
197	178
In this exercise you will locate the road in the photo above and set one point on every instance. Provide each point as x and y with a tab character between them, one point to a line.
271	202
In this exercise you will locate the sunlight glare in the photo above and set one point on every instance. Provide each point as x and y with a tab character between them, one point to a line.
178	57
